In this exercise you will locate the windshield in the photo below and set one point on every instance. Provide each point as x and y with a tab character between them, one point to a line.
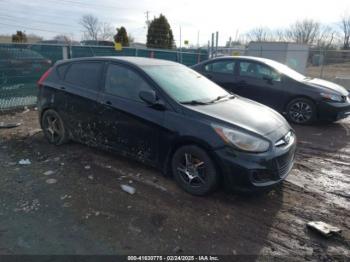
286	70
183	84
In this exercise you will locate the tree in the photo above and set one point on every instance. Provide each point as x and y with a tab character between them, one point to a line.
62	38
260	34
325	38
304	32
121	36
106	31
92	27
345	26
131	38
159	34
19	37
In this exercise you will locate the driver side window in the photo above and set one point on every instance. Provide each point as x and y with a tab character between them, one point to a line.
124	82
257	70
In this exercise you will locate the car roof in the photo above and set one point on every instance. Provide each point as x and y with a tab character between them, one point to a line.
253	58
138	61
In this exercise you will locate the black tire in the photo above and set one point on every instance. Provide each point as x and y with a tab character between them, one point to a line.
199	176
301	111
53	127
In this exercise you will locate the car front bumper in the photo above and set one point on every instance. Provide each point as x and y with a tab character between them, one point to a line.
249	172
333	111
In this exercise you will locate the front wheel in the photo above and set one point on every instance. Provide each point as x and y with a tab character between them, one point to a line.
53	127
194	171
301	111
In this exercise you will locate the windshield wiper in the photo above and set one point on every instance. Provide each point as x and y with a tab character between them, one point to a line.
194	103
222	97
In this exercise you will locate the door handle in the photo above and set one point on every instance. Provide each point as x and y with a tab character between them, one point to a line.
62	88
108	103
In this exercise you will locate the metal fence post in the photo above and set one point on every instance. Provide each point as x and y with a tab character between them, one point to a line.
322	58
65	52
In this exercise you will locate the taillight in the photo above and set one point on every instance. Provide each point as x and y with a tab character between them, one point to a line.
44	76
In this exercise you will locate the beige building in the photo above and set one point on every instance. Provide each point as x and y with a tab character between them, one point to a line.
31	39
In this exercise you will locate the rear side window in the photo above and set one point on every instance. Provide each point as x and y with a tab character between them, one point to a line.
225	67
61	70
85	75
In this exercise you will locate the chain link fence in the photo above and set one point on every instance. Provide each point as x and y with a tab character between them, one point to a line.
21	65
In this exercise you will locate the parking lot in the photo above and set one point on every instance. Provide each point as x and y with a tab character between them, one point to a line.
68	200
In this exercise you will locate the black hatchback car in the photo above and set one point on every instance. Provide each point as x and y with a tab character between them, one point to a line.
301	99
169	116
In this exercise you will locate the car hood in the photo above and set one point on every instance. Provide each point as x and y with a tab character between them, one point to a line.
247	114
326	85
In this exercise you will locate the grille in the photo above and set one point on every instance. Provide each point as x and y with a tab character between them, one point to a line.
283	163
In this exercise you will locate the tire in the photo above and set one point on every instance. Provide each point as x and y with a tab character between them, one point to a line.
301	111
194	171
53	127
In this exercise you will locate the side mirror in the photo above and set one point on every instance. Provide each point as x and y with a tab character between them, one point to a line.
151	99
148	96
268	79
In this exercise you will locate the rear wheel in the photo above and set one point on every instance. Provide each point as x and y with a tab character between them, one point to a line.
301	111
193	170
53	127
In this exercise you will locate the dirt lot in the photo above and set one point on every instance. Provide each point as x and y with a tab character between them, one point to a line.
81	209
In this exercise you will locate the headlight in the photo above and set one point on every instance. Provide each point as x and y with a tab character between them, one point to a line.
242	140
332	97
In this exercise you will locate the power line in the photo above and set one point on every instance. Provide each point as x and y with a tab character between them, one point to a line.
32	28
13	18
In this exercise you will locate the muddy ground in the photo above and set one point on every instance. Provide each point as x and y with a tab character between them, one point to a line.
81	209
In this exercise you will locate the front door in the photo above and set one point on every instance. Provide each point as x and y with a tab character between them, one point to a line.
128	124
260	83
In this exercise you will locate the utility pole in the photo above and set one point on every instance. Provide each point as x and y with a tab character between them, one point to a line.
217	43
198	39
212	46
147	19
180	47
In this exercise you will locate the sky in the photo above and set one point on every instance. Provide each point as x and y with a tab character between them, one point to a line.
197	19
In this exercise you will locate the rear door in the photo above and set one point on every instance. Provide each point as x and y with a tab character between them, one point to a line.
82	83
128	124
221	72
260	82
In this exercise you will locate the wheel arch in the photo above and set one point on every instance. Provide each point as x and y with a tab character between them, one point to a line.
298	97
304	97
188	140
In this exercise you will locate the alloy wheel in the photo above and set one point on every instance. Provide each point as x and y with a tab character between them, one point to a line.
191	170
53	128
300	112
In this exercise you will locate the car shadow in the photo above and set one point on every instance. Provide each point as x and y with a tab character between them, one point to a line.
330	137
251	219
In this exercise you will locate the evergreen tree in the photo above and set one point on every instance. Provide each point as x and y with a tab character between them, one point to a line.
121	36
19	37
159	34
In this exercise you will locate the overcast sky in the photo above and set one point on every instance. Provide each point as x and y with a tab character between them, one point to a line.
48	18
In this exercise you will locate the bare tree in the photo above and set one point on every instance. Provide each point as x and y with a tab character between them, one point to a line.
106	32
325	38
304	32
92	27
131	38
345	26
259	34
62	38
